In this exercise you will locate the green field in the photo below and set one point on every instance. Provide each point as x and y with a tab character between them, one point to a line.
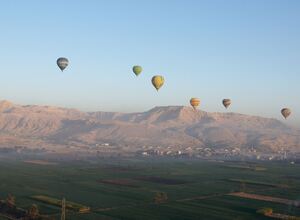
58	202
125	189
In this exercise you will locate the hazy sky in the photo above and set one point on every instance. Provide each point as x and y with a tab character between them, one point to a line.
248	51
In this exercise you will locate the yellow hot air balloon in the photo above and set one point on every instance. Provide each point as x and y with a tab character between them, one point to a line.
195	102
158	82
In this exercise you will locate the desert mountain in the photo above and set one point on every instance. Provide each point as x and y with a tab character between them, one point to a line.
171	126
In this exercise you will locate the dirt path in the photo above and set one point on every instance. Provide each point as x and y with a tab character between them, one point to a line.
266	198
200	197
281	216
236	194
152	203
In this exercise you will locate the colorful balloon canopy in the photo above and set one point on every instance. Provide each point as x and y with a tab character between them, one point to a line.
158	82
195	102
226	102
62	63
286	112
137	70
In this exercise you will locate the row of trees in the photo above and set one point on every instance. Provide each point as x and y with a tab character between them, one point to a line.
160	197
8	206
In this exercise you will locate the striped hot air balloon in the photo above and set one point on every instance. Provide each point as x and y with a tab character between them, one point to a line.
226	102
195	102
286	112
62	63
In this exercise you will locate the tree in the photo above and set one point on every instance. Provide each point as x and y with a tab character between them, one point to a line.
11	201
265	211
160	197
33	212
243	186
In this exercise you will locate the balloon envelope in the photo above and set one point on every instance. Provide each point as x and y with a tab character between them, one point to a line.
137	70
157	82
286	112
62	63
226	102
195	102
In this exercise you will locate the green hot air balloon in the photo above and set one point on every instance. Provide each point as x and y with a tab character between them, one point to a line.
62	63
137	70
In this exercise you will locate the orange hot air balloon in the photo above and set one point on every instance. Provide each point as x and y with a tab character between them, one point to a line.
195	102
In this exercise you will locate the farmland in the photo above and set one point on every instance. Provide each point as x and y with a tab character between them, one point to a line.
117	189
57	202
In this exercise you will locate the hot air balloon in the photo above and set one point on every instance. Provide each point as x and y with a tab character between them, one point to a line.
62	63
286	112
195	102
226	102
158	82
137	70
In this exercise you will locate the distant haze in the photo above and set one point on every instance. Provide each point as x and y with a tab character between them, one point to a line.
248	51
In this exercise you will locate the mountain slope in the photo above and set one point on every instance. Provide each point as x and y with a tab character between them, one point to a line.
171	126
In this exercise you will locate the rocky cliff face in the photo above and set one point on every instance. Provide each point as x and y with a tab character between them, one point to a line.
165	126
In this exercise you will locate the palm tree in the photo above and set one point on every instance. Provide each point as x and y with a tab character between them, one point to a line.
33	212
11	201
160	197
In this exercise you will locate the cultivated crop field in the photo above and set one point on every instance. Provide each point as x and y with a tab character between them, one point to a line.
126	188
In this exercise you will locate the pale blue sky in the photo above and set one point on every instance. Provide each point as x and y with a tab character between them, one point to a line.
248	51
